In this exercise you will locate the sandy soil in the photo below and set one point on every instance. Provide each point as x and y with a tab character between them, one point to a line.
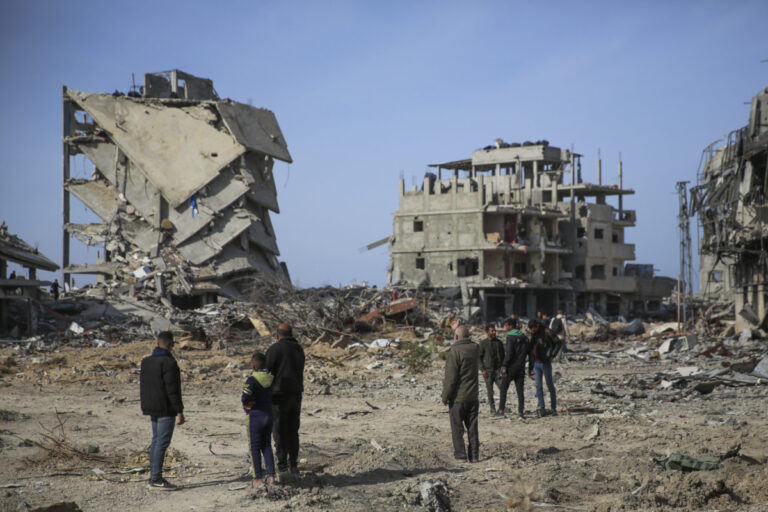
371	437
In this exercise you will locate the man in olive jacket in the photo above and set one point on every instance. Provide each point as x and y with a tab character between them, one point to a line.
491	357
460	393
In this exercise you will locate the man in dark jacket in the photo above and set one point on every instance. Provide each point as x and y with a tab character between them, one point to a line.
491	357
285	360
160	392
460	393
542	348
517	350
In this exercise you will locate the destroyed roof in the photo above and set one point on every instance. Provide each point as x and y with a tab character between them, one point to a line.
460	165
182	155
13	248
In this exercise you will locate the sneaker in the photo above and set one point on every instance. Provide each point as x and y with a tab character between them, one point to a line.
285	478
161	485
499	415
493	409
540	413
295	471
521	415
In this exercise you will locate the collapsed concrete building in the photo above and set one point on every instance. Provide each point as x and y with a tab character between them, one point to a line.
20	295
182	183
730	201
509	230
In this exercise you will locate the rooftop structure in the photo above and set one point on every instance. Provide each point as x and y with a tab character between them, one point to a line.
731	204
182	183
518	230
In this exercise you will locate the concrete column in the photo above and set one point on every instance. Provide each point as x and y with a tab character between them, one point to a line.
621	186
480	190
66	117
760	301
425	194
530	306
536	177
554	189
738	306
603	309
454	190
599	169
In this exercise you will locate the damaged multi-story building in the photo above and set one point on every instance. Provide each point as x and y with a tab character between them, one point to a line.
515	235
730	201
182	182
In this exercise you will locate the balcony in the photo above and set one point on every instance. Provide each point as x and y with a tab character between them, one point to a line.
617	284
625	217
623	251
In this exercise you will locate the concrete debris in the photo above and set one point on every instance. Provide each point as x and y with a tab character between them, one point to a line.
761	370
435	496
183	185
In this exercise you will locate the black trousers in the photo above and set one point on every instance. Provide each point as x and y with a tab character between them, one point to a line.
519	379
464	417
490	380
287	413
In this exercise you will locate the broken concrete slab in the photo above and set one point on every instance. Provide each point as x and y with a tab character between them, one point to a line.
761	370
165	143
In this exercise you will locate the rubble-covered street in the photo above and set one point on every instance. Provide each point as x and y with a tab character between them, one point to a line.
374	433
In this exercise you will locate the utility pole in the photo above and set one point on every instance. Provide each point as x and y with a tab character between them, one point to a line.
685	286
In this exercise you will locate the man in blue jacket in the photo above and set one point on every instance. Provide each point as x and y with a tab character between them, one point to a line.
160	393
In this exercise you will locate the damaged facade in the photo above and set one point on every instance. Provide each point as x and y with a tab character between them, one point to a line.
507	228
732	209
182	183
20	295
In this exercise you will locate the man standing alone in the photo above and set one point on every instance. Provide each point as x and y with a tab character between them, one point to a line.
460	393
160	393
491	357
285	360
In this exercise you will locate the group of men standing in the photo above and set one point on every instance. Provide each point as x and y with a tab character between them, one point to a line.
271	399
501	364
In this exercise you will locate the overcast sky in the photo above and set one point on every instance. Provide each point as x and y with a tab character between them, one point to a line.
368	91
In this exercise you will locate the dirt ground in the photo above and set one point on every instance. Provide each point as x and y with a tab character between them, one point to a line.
372	434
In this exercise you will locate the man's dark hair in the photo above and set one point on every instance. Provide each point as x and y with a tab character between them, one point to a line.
165	339
533	323
259	358
488	327
512	322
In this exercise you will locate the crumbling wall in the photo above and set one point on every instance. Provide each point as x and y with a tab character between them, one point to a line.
731	204
182	182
